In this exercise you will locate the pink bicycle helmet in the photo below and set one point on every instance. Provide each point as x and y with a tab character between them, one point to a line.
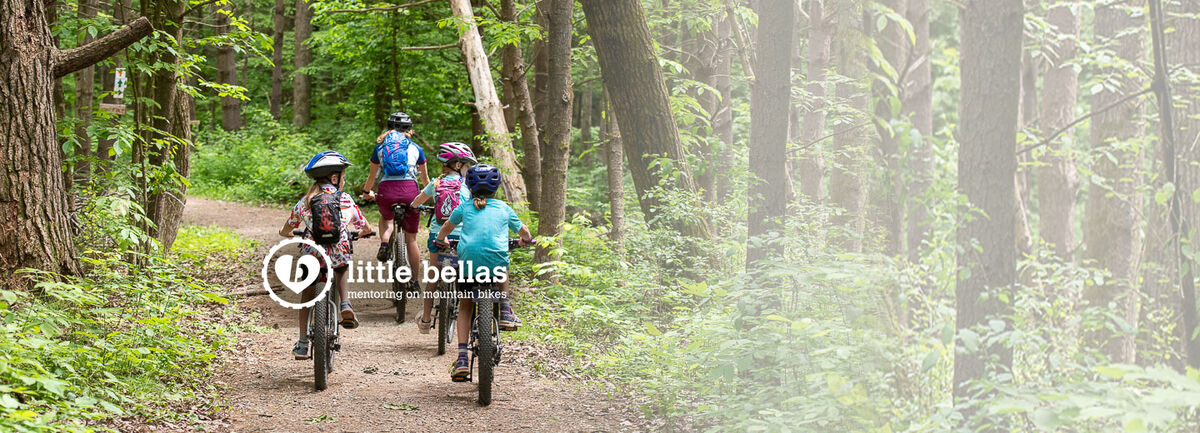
450	152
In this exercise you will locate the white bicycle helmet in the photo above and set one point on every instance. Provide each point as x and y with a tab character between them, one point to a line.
454	151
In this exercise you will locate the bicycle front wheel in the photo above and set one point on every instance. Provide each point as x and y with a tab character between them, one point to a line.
322	352
485	323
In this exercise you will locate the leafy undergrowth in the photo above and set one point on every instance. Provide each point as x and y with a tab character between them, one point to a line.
121	342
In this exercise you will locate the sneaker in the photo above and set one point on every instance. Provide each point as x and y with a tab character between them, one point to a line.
508	320
424	326
385	252
349	319
300	350
461	370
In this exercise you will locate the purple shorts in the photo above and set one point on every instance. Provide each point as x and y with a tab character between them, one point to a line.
399	191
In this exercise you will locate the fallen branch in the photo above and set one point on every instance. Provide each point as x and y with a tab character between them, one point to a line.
814	142
246	293
1064	129
379	9
433	47
68	61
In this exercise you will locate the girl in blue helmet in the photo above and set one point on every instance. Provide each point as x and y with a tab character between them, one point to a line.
327	171
483	244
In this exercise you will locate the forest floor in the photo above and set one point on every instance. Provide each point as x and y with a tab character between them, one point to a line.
387	376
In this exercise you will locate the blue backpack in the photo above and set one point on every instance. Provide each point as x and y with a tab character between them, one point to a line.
393	154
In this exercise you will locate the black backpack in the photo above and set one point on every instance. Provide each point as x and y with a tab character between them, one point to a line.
326	218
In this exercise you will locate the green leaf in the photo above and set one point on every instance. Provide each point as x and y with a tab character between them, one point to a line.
1135	425
1110	371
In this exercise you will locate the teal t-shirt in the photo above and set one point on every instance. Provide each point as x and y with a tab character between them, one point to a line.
464	197
484	240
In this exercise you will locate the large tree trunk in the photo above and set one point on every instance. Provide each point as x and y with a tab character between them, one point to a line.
231	107
847	183
514	75
556	148
987	252
1111	220
301	83
634	80
820	49
918	102
770	100
541	63
37	232
487	102
85	87
171	118
280	21
1179	48
614	159
1058	182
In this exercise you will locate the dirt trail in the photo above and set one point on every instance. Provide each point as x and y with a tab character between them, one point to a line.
387	377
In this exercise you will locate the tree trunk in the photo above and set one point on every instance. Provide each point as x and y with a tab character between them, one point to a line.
634	80
487	102
987	255
585	121
918	102
32	189
85	87
514	69
614	159
301	84
1058	182
893	43
541	64
556	148
277	33
769	110
1179	48
231	107
171	118
1111	221
104	144
847	183
722	113
820	49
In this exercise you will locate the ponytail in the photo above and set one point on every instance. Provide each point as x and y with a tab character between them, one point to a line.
481	199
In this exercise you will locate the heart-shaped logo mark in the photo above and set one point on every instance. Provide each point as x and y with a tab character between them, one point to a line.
306	265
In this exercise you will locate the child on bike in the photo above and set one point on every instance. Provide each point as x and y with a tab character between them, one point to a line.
402	164
449	190
327	172
486	224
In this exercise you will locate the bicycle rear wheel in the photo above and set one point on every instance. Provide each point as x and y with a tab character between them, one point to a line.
486	352
399	259
443	320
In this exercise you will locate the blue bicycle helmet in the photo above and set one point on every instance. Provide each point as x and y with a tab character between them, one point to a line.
483	179
325	164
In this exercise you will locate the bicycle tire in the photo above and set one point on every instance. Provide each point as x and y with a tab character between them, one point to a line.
399	258
486	352
443	320
320	345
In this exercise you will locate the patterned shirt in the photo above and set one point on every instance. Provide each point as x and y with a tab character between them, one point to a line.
352	221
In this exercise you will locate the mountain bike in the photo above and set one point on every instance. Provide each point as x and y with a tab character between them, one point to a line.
486	348
323	329
401	291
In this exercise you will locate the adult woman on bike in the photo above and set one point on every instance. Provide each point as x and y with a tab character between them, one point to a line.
399	164
326	170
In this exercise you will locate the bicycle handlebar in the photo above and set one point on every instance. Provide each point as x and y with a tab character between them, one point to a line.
353	235
513	244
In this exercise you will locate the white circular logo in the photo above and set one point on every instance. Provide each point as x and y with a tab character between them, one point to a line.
297	274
